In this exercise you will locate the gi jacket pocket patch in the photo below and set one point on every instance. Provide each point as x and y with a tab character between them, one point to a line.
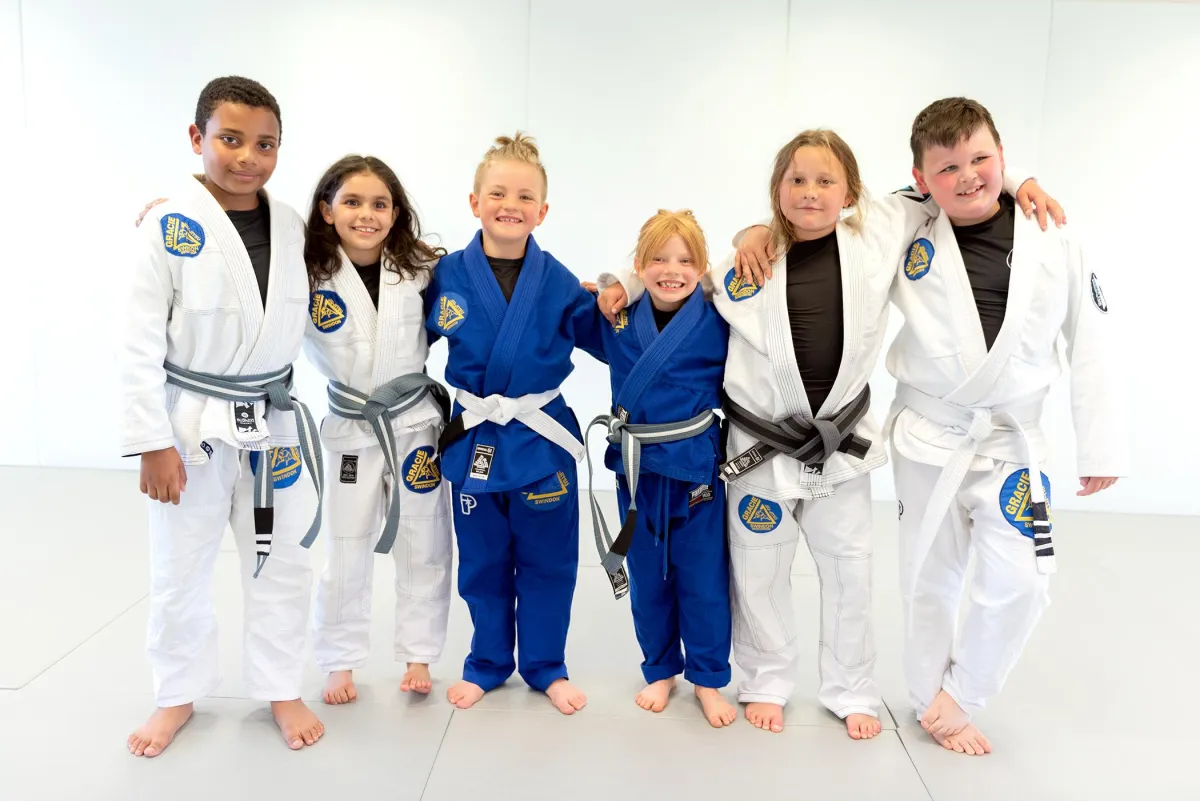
740	289
182	236
349	474
328	310
920	259
421	472
701	494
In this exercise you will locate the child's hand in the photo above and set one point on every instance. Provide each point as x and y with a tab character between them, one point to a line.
149	206
1030	195
611	301
1093	484
755	255
590	286
163	476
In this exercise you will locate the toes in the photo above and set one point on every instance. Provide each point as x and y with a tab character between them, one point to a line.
150	751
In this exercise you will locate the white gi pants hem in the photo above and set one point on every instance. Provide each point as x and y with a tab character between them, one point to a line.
422	554
185	541
838	533
1008	594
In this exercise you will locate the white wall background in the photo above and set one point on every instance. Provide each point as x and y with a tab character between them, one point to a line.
637	104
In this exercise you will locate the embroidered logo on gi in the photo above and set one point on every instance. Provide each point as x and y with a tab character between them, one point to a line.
760	515
549	492
467	503
701	494
285	465
481	462
1016	501
328	311
451	311
349	473
622	321
421	473
1098	295
920	257
204	446
182	236
740	289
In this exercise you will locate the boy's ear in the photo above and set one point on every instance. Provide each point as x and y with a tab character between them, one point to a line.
919	177
197	138
474	198
542	213
1000	149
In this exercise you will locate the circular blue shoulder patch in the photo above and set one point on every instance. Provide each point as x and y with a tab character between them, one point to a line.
920	258
740	289
760	515
328	310
182	236
1016	501
285	465
548	493
421	472
449	312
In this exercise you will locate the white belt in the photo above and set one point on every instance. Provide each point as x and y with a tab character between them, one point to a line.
502	410
976	425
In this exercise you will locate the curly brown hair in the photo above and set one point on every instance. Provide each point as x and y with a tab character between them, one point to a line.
406	254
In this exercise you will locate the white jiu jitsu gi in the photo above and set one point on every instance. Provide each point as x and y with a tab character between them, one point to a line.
352	343
195	303
967	438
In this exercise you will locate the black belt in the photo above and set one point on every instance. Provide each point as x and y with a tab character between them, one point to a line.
811	442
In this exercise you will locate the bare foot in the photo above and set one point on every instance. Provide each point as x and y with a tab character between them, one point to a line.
339	687
416	679
718	711
768	717
298	724
944	716
464	694
159	730
862	727
655	696
969	741
566	697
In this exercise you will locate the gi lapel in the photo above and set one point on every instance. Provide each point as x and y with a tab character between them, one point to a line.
657	347
854	283
515	320
237	259
779	344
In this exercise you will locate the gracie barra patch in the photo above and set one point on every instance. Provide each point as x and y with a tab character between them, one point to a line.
285	465
1016	501
481	462
450	312
349	474
421	472
548	492
1098	295
920	258
622	321
182	236
701	494
740	289
328	310
760	515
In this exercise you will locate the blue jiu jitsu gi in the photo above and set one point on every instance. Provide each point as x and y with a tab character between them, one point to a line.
510	452
678	562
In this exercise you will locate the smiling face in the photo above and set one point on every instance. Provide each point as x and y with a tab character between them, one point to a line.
966	179
509	204
362	213
239	147
670	274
